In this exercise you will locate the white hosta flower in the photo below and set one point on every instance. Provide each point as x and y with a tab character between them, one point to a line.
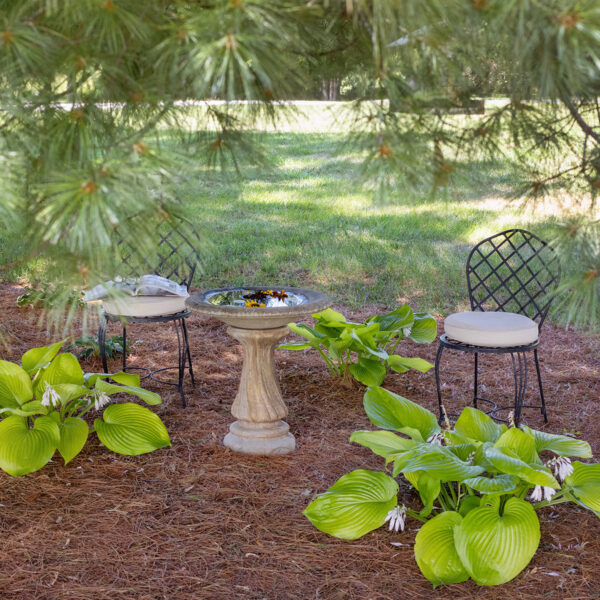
542	492
511	419
437	439
101	400
561	467
397	518
50	396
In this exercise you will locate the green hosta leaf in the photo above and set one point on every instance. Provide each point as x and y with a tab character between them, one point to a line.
147	396
368	371
435	550
585	481
364	338
314	337
503	484
439	462
36	358
330	316
28	409
131	429
424	329
337	348
520	443
130	379
354	505
396	320
24	450
468	504
295	346
390	411
15	385
463	451
476	425
401	364
508	462
73	436
382	443
70	391
562	445
494	547
65	368
428	488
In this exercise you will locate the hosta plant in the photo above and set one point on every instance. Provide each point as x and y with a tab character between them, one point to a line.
479	484
48	296
365	351
43	402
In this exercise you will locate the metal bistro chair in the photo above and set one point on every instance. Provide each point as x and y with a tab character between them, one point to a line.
511	278
176	260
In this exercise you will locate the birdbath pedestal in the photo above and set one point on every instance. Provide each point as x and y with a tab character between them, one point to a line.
259	406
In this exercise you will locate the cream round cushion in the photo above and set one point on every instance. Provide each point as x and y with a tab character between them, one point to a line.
144	306
491	329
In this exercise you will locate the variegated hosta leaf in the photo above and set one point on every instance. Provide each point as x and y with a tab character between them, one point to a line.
476	425
502	484
495	547
585	484
441	463
390	411
354	505
435	551
382	443
562	445
24	450
508	462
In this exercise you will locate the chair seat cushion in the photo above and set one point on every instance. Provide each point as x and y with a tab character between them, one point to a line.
144	306
491	329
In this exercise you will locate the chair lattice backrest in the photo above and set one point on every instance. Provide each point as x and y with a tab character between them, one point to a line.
176	257
513	271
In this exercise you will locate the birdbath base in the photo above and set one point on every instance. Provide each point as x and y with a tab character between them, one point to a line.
259	406
260	438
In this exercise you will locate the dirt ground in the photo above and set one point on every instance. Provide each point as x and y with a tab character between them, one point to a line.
198	521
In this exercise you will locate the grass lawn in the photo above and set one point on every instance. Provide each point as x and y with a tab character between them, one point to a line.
307	220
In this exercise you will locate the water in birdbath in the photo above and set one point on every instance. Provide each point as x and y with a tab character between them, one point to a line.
255	298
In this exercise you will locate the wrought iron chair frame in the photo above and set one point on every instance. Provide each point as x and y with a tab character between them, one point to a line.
182	275
537	312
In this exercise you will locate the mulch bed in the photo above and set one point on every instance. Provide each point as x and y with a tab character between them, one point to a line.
198	521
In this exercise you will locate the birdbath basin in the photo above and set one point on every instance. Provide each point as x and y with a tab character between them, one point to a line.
258	320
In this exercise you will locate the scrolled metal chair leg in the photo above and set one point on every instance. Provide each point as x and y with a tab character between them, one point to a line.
182	357
124	348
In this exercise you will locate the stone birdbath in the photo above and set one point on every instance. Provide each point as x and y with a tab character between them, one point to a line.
258	321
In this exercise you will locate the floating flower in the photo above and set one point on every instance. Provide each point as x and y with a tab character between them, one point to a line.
50	396
561	467
100	400
253	303
397	518
279	295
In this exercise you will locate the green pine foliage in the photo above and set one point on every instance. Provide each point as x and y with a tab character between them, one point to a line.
88	88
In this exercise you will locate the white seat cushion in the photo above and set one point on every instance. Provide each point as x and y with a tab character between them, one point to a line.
491	329
144	306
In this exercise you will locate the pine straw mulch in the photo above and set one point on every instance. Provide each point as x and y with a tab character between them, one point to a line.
198	521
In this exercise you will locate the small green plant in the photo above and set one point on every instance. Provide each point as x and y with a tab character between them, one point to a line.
49	297
43	402
85	347
365	351
474	482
